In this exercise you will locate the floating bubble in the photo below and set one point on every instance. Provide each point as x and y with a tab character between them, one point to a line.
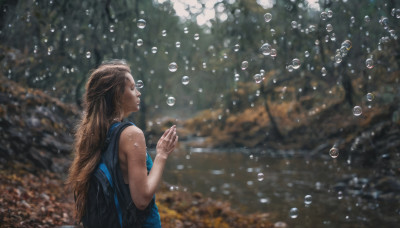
334	152
257	78
340	195
338	58
266	49
352	20
333	37
141	23
294	24
324	15
244	65
384	21
112	28
171	101
196	36
139	84
164	33
267	17
370	96
329	13
139	42
367	19
294	213
236	48
289	68
88	55
306	54
260	176
273	52
178	44
296	63
329	28
307	199
357	111
154	50
185	80
323	72
369	63
173	67
346	44
185	30
272	32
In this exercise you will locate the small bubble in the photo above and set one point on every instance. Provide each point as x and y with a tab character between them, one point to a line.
334	152
296	63
307	199
329	13
357	111
273	53
139	84
346	44
266	49
324	15
257	78
294	213
340	195
267	17
141	23
370	96
185	30
338	58
306	54
323	72
154	50
178	44
260	176
112	28
329	28
185	80
88	55
139	42
367	19
272	32
289	68
236	48
171	101
294	24
172	67
196	36
369	63
164	33
244	65
352	20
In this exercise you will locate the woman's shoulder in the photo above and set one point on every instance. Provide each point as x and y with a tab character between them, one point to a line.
132	134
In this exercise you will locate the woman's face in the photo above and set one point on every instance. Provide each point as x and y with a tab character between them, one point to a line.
131	97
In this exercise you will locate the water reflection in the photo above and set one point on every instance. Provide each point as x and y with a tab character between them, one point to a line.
289	180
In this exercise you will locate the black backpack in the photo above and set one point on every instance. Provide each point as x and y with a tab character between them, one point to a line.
109	203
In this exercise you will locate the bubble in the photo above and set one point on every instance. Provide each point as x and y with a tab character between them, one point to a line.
307	199
346	44
266	49
367	19
296	63
185	30
139	42
357	111
352	20
324	16
154	50
236	48
244	65
172	67
306	54
370	96
329	13
323	72
185	80
267	17
178	44
171	101
334	152
338	58
196	36
329	28
112	28
294	24
289	68
384	21
141	23
293	213
397	13
273	52
139	84
272	32
257	78
164	33
340	195
88	55
369	63
260	176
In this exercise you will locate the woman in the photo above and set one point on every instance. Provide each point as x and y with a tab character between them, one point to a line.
110	96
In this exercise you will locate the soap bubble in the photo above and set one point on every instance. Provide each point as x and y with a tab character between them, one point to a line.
370	96
260	176
236	48
154	50
357	111
244	65
329	13
307	199
294	24
139	84
289	68
173	67
306	54
273	52
369	63
334	152
139	42
171	101
266	49
267	17
237	77
112	28
272	32
196	36
88	55
141	23
367	19
323	71
338	58
257	78
324	16
293	213
164	32
296	63
185	80
329	28
178	44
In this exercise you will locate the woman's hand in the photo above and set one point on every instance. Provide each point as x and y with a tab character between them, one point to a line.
167	143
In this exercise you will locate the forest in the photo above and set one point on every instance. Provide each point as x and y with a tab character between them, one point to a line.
303	97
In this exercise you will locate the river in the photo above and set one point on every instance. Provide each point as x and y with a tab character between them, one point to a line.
276	182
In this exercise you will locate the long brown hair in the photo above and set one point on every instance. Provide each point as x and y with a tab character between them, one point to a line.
102	105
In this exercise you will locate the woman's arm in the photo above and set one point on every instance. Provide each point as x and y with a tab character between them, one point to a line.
132	144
